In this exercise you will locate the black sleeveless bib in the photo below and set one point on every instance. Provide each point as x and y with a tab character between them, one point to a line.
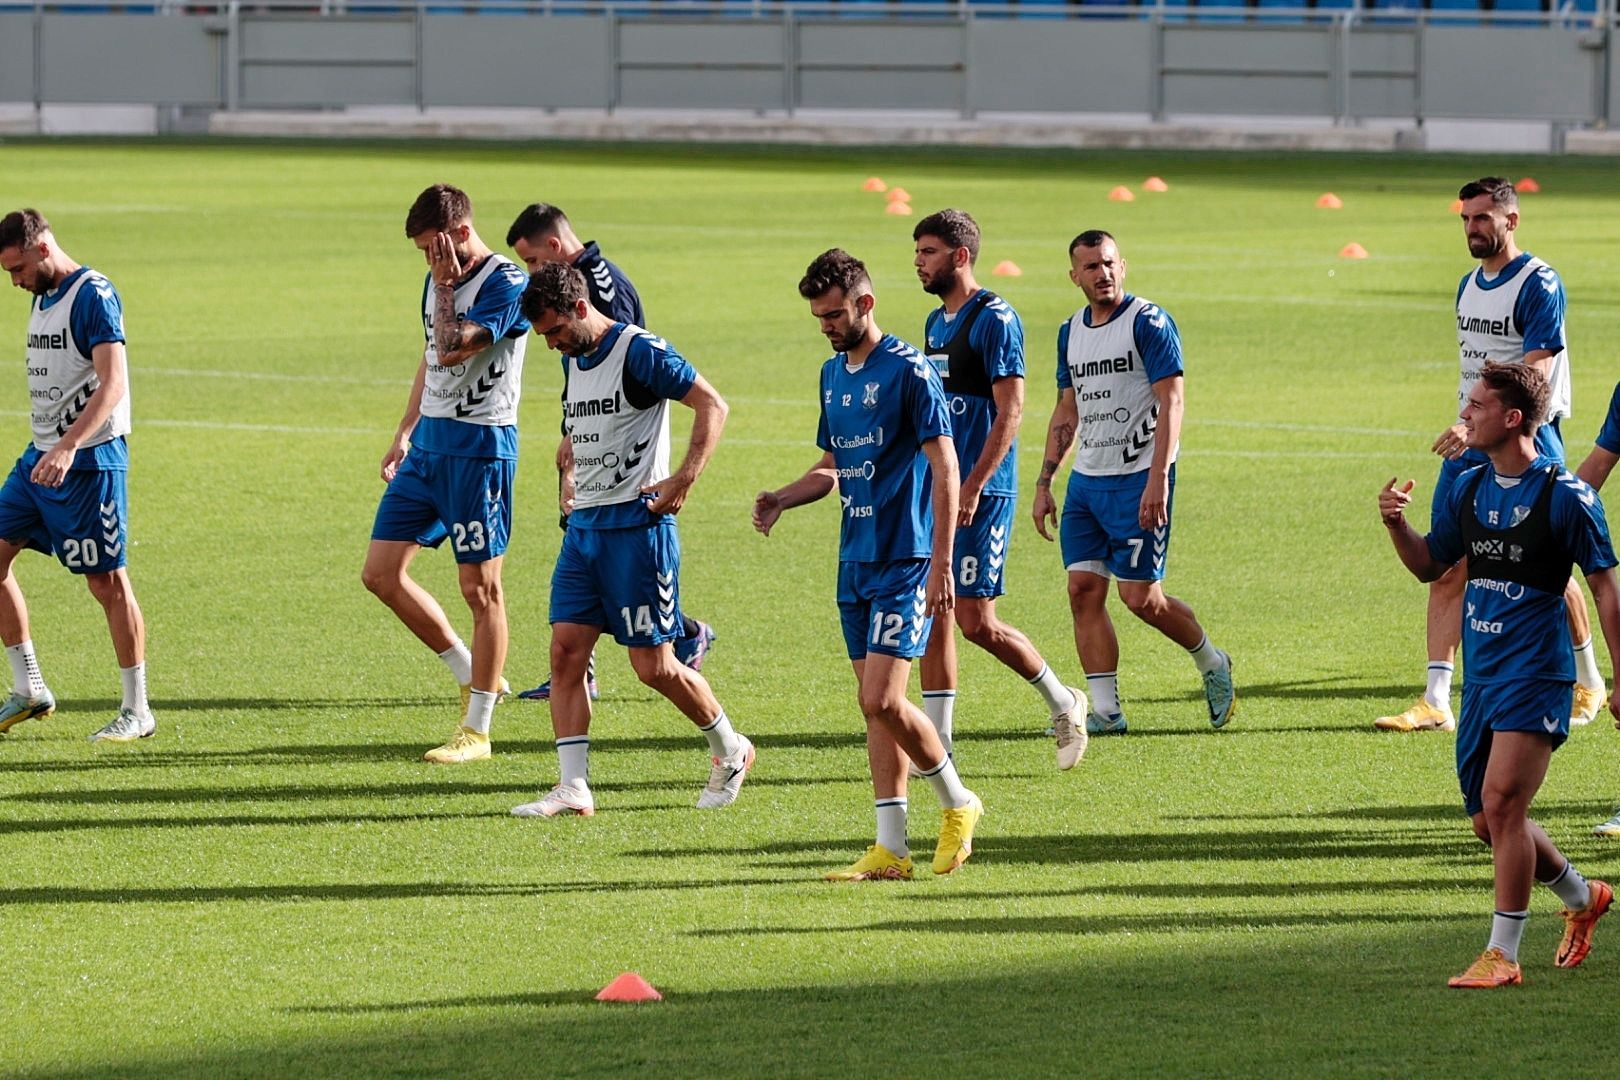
1528	553
963	370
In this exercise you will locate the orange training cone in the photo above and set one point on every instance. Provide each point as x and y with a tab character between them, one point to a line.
1122	194
1527	186
874	183
629	987
1456	206
1329	201
1155	183
1007	268
898	194
900	208
1352	250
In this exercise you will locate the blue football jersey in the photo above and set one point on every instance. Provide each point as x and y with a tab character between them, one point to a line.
1609	436
997	339
1512	630
874	421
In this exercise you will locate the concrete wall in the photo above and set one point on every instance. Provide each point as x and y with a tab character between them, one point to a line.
785	62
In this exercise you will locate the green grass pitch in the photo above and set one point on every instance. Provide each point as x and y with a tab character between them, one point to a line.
276	885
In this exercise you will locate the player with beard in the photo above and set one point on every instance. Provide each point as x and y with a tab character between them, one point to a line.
68	494
1510	309
976	342
885	427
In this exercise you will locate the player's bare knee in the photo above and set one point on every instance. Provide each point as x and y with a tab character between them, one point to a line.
880	706
1149	604
1482	829
379	581
1087	593
977	626
109	589
656	668
482	595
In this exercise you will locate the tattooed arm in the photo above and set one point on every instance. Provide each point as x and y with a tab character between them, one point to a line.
1060	432
453	339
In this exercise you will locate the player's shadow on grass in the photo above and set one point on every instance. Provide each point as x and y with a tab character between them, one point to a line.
1167	922
1449	815
1221	890
1080	848
359	891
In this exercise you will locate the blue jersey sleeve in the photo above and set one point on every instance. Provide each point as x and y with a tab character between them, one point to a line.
1160	342
1446	540
497	307
924	395
1064	382
97	316
1539	311
823	395
998	336
655	364
1609	437
1577	515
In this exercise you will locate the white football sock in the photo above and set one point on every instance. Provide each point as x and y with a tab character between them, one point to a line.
723	741
480	707
1571	887
572	754
1586	666
459	660
940	705
1507	927
1207	656
947	785
891	826
1438	693
134	680
25	677
1059	699
1104	691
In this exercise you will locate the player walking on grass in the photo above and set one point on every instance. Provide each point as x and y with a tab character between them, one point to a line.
619	567
976	341
1119	379
542	234
452	462
67	494
1520	520
1509	310
885	424
1595	470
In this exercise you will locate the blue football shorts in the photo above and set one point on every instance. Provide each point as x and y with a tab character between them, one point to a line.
1549	441
1098	530
434	497
980	557
626	581
883	607
84	523
1538	705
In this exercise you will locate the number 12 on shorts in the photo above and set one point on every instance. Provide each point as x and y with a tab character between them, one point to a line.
886	629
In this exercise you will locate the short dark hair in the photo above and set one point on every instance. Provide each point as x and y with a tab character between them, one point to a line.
956	227
1090	238
555	287
437	209
22	228
834	268
536	219
1500	190
1522	387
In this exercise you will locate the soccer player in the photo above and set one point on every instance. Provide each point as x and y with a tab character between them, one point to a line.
1119	378
619	567
1595	470
542	234
1520	520
1510	310
452	462
67	493
976	341
885	425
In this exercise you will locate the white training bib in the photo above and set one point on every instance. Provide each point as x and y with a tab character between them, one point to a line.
618	447
61	379
484	388
1487	331
1119	414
